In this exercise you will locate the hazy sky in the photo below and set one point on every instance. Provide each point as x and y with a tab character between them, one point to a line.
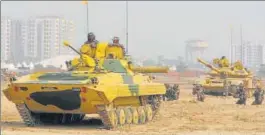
162	26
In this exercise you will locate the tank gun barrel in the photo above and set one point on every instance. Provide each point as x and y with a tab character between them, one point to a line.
208	65
68	45
150	69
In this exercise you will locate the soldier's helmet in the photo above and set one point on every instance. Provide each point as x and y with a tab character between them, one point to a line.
116	40
91	36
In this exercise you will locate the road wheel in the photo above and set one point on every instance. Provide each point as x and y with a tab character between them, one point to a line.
148	112
113	118
135	116
142	116
128	115
121	116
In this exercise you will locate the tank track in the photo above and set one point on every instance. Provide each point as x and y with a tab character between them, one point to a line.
104	112
110	121
26	115
34	119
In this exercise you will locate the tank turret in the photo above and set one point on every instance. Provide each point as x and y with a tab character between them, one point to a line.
85	62
237	70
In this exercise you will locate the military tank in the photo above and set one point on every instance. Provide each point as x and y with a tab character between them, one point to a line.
111	87
224	80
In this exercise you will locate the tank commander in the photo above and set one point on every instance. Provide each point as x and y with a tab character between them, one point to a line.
90	46
91	39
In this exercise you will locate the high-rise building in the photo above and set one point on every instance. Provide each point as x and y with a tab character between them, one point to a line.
45	36
5	39
250	54
11	38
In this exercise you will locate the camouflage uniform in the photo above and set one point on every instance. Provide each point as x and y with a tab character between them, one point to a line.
89	46
165	95
172	92
177	92
259	96
116	42
241	94
198	90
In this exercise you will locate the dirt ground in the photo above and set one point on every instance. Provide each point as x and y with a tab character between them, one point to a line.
215	116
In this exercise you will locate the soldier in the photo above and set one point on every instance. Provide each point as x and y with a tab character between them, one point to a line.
167	89
116	42
90	46
171	93
259	95
115	49
68	65
241	94
198	90
224	62
91	39
176	91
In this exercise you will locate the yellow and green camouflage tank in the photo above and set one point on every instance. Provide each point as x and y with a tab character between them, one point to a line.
111	87
225	80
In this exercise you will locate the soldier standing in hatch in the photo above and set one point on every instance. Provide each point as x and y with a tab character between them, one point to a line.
90	46
91	39
116	42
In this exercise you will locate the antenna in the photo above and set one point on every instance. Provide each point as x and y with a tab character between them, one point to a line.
127	38
241	35
231	42
241	42
87	18
85	2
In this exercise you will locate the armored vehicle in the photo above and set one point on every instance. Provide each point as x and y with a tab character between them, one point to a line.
106	84
225	80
